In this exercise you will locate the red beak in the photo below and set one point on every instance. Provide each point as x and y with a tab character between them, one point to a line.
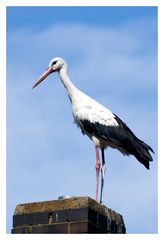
48	71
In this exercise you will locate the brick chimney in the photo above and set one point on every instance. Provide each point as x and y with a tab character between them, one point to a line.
72	215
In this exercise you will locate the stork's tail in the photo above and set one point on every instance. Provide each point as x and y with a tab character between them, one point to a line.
142	153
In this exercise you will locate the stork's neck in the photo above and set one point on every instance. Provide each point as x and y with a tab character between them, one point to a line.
67	82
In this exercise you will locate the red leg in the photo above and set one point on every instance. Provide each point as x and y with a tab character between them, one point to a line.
97	170
103	169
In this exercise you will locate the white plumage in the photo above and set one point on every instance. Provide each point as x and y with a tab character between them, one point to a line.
87	108
102	126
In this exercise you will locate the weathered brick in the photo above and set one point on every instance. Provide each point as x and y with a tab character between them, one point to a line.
95	228
21	230
70	215
31	219
52	228
79	227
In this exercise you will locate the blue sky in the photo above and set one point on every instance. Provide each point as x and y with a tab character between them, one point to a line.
112	56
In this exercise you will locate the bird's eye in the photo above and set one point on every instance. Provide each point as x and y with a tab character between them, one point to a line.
54	62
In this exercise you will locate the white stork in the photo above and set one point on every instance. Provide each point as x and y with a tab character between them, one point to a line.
102	126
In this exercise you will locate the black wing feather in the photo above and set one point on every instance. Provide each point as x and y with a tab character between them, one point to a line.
121	137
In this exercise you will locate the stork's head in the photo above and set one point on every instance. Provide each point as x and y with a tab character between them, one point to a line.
55	65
